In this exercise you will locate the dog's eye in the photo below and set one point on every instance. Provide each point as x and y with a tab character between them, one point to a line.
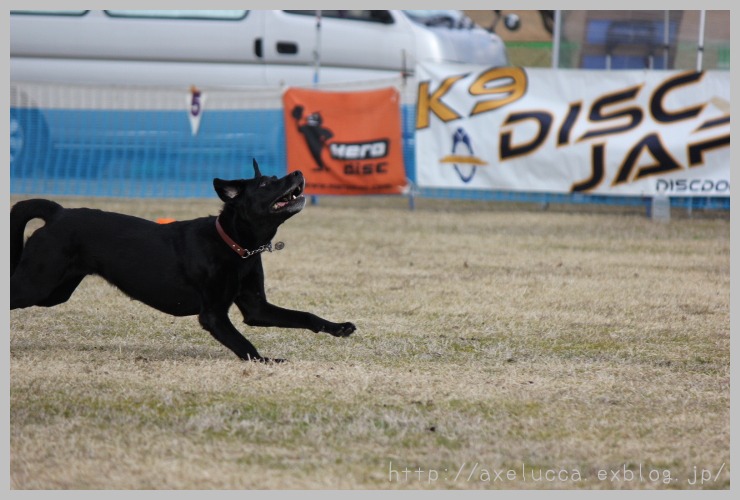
263	184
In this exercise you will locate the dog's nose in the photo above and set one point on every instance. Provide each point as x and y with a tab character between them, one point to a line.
297	173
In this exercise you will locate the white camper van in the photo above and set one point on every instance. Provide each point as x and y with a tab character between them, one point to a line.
239	47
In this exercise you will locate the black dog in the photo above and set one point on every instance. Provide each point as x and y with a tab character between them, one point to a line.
182	268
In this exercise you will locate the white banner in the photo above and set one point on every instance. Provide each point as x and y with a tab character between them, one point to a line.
565	131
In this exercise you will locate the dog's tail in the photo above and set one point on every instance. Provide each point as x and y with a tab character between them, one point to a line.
20	214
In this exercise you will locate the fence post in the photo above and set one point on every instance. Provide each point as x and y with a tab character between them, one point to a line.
557	29
700	46
412	195
660	208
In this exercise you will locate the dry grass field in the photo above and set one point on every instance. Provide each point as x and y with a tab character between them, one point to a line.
498	347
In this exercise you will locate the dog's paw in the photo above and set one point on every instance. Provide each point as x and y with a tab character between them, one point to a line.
340	329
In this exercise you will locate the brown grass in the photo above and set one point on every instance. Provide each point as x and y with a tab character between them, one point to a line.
584	340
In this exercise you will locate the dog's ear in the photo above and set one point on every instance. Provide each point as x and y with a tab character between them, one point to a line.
257	172
228	190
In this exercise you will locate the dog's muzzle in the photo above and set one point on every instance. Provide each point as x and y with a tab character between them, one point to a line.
291	201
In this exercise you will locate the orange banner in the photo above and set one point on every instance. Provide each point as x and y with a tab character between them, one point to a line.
345	142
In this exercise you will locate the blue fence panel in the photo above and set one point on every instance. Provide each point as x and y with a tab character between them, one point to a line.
139	153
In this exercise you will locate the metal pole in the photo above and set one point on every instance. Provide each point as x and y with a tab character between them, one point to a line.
316	68
666	38
700	48
317	50
557	29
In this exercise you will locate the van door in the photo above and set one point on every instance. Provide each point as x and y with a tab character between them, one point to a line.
219	47
352	45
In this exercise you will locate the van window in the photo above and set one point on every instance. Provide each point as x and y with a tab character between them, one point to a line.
373	16
50	12
222	15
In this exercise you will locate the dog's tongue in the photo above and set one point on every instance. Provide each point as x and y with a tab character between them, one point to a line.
280	204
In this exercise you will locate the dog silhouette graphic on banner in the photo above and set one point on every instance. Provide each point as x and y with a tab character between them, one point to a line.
314	134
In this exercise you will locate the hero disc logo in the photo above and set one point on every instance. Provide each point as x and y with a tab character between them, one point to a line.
462	157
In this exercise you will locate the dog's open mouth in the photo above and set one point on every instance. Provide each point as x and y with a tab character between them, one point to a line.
291	200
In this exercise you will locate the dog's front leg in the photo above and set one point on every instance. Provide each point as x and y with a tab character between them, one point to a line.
258	312
216	322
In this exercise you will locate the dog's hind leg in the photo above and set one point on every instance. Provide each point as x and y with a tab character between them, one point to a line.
217	323
63	292
29	290
25	292
42	278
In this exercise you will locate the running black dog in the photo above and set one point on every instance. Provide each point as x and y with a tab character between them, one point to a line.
201	266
